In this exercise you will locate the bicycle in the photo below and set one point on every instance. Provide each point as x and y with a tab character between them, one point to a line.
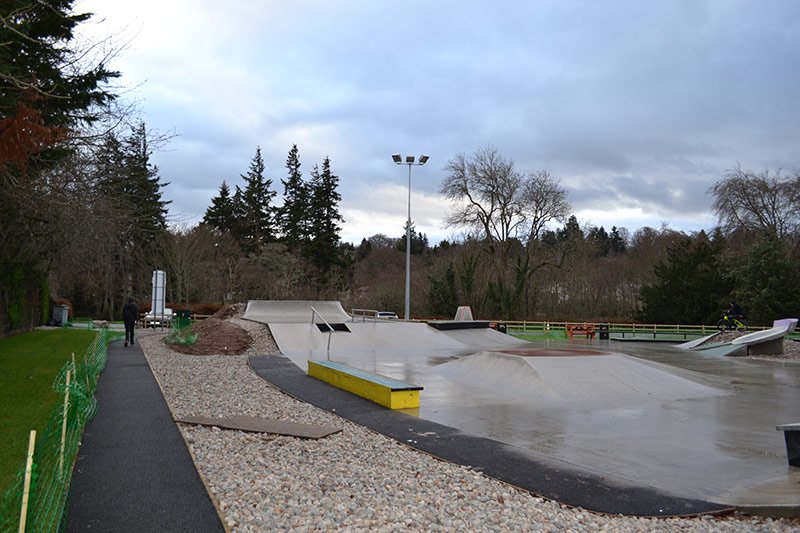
730	323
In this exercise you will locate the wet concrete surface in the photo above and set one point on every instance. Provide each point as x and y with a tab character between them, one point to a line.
715	439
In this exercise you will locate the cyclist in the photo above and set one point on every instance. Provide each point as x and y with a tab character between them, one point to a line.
732	317
735	310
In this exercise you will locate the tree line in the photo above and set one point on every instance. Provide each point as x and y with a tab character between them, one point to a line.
84	219
307	223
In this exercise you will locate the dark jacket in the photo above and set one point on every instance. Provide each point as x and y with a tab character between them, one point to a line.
130	314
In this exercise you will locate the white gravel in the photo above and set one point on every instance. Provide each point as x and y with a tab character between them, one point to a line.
355	480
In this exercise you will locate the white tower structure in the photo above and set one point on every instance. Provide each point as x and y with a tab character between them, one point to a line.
157	301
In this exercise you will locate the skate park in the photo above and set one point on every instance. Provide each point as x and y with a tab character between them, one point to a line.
683	422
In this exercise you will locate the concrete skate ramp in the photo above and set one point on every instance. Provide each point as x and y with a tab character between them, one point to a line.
697	342
603	382
779	329
767	341
294	311
385	340
720	349
684	421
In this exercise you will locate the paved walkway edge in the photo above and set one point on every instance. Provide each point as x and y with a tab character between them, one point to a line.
506	463
134	471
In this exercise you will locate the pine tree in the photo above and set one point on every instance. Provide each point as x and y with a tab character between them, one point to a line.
571	230
690	285
41	69
767	281
131	182
257	222
617	240
442	293
48	87
110	167
599	238
136	214
294	220
220	214
238	209
324	219
144	185
419	241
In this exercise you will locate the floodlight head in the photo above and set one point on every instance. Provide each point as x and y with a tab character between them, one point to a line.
409	160
423	159
397	159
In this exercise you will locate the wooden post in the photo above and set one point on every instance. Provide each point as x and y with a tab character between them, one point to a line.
23	516
75	369
64	428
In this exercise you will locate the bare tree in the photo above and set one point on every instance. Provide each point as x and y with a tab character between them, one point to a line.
182	254
486	190
543	201
763	203
499	202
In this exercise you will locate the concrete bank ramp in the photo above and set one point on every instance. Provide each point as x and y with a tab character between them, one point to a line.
721	349
769	342
697	342
603	381
294	311
387	340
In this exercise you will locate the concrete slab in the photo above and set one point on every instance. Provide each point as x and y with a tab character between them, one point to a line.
558	480
715	432
255	424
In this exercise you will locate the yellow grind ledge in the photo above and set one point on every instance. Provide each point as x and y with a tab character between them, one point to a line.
384	391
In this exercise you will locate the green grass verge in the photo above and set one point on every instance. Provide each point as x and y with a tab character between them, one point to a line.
538	335
29	363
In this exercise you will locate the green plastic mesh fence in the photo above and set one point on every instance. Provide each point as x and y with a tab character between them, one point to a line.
57	446
181	335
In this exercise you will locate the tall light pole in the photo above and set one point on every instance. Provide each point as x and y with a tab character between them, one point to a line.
410	162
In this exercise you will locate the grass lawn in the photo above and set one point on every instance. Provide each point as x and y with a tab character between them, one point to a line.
29	364
538	335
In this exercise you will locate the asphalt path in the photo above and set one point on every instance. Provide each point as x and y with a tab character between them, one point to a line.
133	471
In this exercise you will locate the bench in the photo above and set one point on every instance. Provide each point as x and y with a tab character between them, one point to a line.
384	391
580	329
791	433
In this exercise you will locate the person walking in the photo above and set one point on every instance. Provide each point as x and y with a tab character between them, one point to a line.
130	315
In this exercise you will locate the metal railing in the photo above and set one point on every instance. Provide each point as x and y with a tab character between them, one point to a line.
330	328
364	314
623	329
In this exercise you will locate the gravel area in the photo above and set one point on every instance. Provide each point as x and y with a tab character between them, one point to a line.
355	480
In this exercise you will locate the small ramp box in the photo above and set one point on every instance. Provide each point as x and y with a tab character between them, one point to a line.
382	390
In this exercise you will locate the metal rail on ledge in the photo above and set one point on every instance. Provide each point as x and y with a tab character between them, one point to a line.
330	328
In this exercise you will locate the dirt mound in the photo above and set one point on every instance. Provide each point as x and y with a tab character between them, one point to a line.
229	311
216	337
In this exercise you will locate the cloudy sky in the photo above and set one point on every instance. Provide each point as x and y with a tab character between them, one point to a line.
638	106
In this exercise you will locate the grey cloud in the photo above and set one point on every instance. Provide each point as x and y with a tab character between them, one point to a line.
644	104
